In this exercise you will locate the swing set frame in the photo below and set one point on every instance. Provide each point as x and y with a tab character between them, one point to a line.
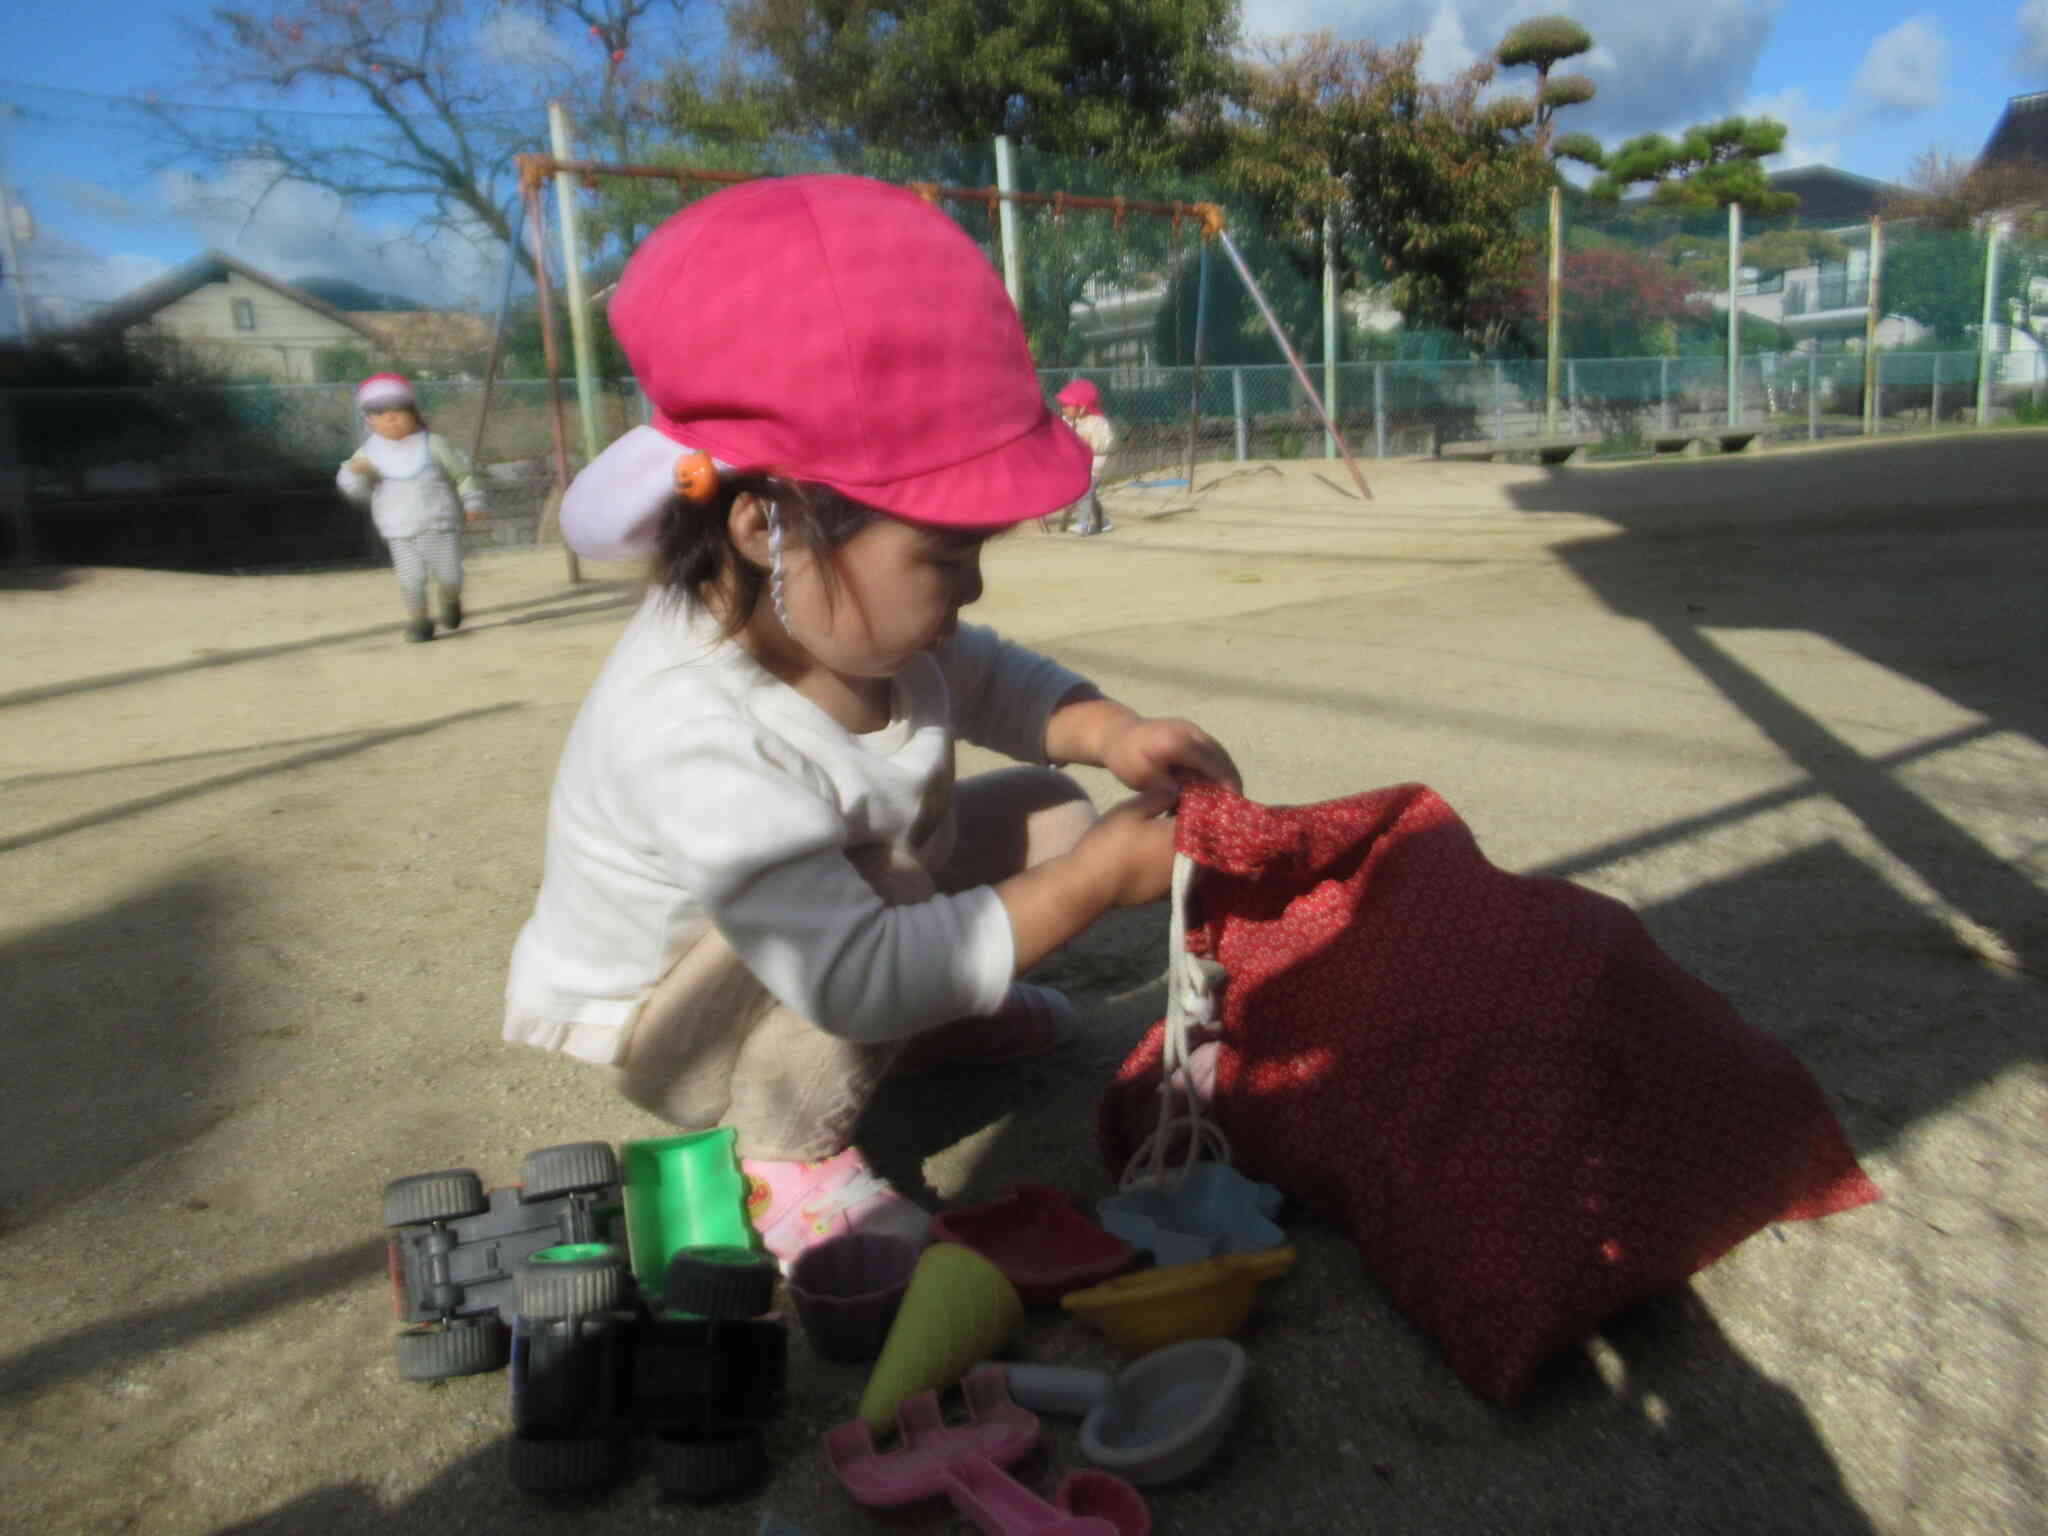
535	170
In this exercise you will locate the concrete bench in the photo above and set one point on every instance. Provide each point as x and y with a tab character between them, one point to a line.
1694	441
1563	448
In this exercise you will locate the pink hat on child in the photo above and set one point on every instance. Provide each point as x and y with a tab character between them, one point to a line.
1081	393
381	391
829	329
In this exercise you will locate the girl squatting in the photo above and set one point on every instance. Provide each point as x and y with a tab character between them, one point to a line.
764	891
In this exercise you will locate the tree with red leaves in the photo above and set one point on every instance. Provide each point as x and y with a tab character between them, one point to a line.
1617	303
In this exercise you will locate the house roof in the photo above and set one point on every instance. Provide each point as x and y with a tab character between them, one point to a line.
209	267
2021	133
1828	196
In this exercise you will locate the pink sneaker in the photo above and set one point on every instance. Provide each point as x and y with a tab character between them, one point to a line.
796	1205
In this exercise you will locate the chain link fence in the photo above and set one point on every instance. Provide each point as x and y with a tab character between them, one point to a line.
193	414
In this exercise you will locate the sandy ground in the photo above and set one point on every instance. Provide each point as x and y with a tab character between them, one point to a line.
263	864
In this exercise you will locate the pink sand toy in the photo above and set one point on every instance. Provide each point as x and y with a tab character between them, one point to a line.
998	1431
1085	1504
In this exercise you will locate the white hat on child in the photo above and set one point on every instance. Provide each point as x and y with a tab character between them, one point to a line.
382	391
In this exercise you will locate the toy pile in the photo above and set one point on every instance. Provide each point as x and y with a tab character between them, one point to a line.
635	1308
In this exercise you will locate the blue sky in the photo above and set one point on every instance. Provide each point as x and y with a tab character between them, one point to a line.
1865	88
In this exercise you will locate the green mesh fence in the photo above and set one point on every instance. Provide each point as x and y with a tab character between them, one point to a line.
1128	298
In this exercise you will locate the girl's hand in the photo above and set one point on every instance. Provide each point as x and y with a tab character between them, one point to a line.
363	467
1156	754
1128	853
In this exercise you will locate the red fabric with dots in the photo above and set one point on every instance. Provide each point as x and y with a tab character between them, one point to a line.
1524	1113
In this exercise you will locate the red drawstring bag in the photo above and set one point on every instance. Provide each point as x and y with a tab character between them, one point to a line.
1523	1112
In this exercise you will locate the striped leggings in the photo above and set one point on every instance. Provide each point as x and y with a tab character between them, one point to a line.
439	550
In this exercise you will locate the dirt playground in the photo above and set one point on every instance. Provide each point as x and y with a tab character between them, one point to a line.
263	863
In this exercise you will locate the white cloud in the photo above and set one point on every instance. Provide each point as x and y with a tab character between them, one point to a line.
1903	69
69	281
519	43
2033	23
294	229
1813	136
1656	67
1444	50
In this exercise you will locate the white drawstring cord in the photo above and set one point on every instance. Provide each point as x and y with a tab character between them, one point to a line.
775	570
1191	984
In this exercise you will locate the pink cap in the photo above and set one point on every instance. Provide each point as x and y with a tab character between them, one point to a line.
830	329
381	391
1081	393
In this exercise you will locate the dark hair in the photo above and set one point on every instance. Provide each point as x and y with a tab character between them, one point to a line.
696	550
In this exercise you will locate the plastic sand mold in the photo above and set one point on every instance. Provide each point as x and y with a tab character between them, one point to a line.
1038	1237
1156	1307
1209	1208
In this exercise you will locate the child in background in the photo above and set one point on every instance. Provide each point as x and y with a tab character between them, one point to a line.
764	891
421	489
1081	404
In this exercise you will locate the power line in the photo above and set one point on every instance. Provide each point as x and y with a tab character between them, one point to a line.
149	101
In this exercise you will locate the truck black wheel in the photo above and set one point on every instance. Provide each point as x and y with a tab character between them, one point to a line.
541	1464
571	1280
466	1347
565	1169
427	1197
720	1282
710	1466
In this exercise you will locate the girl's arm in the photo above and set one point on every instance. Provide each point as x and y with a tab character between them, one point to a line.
1124	860
461	474
1146	753
356	478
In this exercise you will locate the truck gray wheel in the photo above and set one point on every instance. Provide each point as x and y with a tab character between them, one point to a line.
427	1197
467	1347
541	1465
565	1169
571	1280
722	1283
710	1466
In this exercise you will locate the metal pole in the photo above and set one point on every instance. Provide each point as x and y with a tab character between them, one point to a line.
572	279
25	309
1293	359
1554	289
1006	181
1934	402
476	442
1330	326
552	353
1874	290
15	481
1734	315
1201	351
1237	411
1813	395
1500	400
1664	393
1984	331
1379	410
1571	392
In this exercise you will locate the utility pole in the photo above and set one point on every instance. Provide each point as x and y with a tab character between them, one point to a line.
13	219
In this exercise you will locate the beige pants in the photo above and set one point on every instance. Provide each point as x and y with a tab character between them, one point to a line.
712	1046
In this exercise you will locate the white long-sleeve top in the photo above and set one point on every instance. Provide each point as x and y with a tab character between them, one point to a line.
420	483
696	789
1095	430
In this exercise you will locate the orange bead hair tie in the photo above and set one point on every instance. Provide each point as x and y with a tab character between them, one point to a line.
696	478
